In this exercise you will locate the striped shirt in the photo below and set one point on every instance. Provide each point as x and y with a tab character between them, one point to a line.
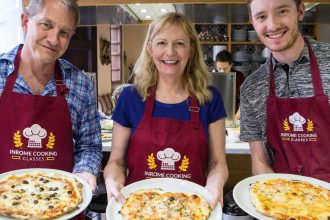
296	83
83	109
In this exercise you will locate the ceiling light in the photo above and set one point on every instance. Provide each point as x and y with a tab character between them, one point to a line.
153	10
309	6
148	16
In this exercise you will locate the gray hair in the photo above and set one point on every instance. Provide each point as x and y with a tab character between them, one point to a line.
35	6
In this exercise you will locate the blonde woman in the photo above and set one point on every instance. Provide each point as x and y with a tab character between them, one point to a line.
170	113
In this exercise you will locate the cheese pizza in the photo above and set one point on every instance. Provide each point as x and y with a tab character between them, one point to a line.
290	199
39	195
156	204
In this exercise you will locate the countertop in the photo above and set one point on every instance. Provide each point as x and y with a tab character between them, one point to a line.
232	147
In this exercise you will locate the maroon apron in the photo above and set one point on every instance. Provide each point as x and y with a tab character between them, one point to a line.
36	131
297	129
166	147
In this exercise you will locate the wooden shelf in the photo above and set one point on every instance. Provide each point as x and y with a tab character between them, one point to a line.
213	42
247	42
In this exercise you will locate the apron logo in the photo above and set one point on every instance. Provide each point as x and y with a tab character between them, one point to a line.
151	162
17	139
298	129
297	121
168	158
184	164
34	134
165	166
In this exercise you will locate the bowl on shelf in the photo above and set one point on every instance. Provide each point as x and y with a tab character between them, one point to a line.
252	36
241	56
239	35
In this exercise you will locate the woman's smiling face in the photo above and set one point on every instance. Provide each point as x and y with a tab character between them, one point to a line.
170	50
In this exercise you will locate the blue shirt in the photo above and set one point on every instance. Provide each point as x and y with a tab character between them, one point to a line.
83	109
130	108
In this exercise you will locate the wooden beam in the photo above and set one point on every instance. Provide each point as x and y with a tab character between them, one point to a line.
115	2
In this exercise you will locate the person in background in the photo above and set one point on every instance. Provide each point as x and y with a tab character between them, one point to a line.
224	63
285	103
48	105
169	115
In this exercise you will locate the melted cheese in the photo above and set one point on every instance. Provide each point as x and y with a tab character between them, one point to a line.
156	204
38	195
290	199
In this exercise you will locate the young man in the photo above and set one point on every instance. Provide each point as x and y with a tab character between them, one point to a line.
47	106
224	63
285	103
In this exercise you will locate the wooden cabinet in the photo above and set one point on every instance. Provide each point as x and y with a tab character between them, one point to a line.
238	37
234	37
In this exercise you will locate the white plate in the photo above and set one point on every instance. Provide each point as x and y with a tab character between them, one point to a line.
241	191
86	190
166	184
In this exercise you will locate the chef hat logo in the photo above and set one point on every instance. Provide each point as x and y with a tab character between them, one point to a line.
297	121
168	157
35	134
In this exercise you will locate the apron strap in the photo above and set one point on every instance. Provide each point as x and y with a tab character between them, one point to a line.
61	89
150	102
10	82
316	76
194	111
271	77
193	107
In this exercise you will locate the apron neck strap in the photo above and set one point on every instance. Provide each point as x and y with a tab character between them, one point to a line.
194	111
193	107
12	78
315	72
316	76
61	89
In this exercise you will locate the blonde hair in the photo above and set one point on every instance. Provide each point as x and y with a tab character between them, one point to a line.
196	75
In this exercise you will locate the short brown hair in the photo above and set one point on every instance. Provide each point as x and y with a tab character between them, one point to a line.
35	6
298	2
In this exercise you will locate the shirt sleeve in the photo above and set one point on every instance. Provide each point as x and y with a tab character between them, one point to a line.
122	113
87	131
249	126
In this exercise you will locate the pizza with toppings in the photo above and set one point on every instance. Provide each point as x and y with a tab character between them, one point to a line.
290	199
39	195
156	204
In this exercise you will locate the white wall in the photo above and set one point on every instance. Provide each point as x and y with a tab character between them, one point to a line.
10	24
132	41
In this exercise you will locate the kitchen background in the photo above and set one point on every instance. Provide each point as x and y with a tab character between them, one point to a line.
110	38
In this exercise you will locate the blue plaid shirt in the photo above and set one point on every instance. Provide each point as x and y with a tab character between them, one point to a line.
83	109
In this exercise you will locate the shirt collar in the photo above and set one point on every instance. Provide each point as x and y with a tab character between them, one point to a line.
304	56
11	55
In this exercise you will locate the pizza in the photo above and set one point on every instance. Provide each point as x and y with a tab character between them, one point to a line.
156	204
39	195
290	199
